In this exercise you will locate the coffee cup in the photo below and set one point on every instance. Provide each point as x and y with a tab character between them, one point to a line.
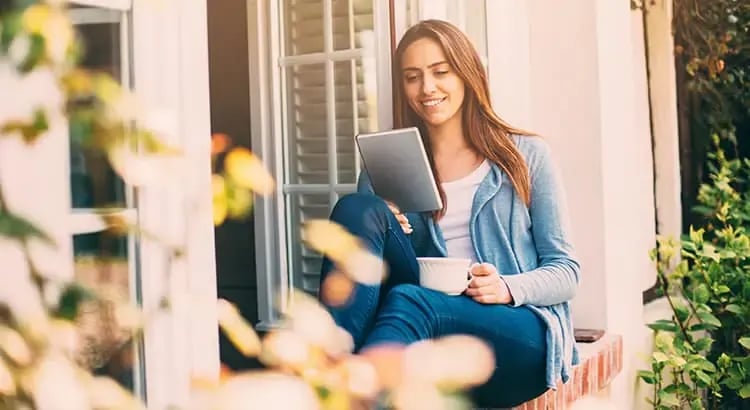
447	275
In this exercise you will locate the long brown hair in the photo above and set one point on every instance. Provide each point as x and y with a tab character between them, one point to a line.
484	130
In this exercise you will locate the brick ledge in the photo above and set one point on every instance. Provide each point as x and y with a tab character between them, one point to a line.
600	362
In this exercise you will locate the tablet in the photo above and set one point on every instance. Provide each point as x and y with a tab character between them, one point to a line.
399	170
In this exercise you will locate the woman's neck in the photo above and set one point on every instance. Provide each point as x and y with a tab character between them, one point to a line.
454	157
448	138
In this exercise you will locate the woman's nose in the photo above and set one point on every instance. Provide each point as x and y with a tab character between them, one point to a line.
428	85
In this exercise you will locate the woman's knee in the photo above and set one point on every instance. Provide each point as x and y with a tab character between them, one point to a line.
356	206
407	297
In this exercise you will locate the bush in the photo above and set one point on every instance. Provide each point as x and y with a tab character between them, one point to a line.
701	358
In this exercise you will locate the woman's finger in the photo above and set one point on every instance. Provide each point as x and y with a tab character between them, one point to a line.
483	269
484	290
485	299
481	281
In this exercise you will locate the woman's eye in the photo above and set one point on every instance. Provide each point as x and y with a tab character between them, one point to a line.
411	78
443	72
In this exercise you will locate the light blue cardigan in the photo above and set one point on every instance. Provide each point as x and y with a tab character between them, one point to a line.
530	246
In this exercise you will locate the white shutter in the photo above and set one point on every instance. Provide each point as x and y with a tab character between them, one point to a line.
323	114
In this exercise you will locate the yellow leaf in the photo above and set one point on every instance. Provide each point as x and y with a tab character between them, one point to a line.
7	384
220	208
35	18
344	249
237	330
282	348
248	172
105	393
14	346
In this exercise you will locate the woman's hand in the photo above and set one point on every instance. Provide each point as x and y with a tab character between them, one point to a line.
486	286
401	218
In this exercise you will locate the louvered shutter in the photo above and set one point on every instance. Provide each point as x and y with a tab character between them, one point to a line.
323	114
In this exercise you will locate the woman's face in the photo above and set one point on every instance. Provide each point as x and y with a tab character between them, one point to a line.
434	91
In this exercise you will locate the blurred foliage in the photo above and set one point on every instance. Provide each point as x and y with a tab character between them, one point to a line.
702	357
45	362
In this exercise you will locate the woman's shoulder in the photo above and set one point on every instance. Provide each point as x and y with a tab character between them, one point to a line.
534	149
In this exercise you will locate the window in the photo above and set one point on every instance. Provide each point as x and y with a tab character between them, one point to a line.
324	89
100	258
159	49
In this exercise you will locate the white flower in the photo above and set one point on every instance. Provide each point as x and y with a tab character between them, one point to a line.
59	385
266	390
19	49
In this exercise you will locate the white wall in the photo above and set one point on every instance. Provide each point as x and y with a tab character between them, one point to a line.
582	85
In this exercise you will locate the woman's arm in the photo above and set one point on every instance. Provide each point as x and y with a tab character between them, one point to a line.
556	279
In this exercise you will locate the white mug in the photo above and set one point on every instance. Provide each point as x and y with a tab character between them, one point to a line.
447	275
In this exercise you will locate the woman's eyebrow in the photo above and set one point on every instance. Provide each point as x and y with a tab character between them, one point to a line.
429	66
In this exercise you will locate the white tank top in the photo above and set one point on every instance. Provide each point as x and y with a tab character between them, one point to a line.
455	222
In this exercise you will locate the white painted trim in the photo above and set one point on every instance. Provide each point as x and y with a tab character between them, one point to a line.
171	76
320	58
264	78
105	4
81	17
509	60
195	125
383	59
664	118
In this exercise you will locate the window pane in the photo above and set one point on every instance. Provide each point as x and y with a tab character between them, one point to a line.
102	264
356	112
305	263
307	143
304	23
351	17
93	182
103	261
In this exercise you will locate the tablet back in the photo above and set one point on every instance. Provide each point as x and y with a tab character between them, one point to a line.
399	170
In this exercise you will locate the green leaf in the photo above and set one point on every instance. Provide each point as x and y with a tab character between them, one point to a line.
647	376
669	399
709	319
30	130
677	362
709	251
696	404
70	301
722	289
745	342
701	363
703	378
701	294
663	324
659	357
18	228
734	308
745	391
681	311
703	344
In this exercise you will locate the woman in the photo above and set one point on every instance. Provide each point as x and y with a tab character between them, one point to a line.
504	208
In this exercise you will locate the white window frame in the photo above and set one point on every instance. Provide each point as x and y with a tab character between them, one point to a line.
267	114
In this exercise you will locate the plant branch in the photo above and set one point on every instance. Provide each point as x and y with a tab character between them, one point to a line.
665	289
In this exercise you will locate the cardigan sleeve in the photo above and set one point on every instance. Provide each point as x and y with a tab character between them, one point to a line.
556	278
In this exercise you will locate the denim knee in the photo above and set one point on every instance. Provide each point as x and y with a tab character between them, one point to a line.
354	209
359	202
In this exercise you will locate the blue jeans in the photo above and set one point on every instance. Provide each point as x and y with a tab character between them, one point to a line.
400	311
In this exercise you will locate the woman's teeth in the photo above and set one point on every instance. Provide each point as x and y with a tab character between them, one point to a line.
432	103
